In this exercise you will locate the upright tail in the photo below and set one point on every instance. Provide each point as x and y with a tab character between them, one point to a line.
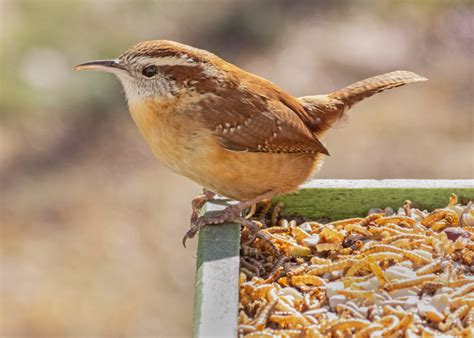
328	109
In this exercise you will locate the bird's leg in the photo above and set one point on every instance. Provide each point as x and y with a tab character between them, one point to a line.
199	201
231	214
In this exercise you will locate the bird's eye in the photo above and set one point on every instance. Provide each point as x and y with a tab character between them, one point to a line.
150	70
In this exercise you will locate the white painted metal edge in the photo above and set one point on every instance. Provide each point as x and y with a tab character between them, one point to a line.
396	183
220	298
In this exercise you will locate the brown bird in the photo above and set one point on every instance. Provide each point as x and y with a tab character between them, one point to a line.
232	132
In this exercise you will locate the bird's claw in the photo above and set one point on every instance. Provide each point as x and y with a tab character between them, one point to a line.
199	201
229	214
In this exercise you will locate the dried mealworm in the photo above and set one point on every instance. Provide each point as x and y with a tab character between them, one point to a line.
454	317
353	294
366	332
388	321
328	246
243	318
409	282
390	310
382	256
370	218
315	227
279	263
378	272
463	290
275	230
469	319
284	224
356	228
459	282
282	306
322	269
263	209
267	245
345	222
348	281
276	212
315	260
299	251
430	268
247	272
457	302
427	332
247	250
402	243
259	334
407	208
342	324
286	333
344	252
242	278
356	267
403	236
383	232
256	263
354	313
307	280
262	317
331	235
299	234
250	267
244	329
382	248
298	270
437	215
288	320
284	281
410	230
403	323
263	290
431	287
274	275
453	200
414	257
395	220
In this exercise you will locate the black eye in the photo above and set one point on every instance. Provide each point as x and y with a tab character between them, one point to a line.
150	70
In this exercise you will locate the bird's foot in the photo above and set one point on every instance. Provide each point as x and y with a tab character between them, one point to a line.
231	214
199	201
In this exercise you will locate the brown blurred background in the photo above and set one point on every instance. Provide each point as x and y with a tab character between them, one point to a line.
91	223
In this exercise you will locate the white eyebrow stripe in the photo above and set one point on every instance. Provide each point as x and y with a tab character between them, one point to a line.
166	61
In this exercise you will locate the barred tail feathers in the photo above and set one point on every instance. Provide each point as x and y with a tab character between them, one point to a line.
361	90
327	109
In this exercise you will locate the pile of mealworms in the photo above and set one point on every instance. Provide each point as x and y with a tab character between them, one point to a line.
408	273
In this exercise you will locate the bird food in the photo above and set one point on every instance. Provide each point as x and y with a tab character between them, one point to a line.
409	273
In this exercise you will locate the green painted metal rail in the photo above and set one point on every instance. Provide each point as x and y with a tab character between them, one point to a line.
338	199
217	273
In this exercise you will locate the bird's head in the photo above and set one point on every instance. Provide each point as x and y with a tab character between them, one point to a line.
158	69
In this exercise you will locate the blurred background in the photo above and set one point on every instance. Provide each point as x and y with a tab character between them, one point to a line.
91	223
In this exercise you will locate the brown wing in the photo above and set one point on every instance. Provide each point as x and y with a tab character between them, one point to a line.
244	121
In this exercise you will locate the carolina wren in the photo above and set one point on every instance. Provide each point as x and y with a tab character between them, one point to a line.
228	130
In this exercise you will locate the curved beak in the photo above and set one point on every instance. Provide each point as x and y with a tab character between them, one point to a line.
111	66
